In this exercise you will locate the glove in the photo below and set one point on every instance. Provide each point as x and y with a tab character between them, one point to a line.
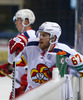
5	69
24	82
17	44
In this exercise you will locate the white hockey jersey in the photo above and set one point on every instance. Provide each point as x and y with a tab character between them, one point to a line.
19	71
30	34
39	61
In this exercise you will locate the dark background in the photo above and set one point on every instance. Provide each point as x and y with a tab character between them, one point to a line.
58	11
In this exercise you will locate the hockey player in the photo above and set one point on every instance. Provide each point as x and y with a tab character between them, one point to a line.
23	20
41	55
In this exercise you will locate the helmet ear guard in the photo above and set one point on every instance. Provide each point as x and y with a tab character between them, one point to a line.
14	19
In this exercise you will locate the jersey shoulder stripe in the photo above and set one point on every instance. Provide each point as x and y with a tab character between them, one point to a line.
36	33
33	43
57	50
26	34
63	47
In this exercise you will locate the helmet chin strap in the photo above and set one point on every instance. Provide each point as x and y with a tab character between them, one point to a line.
22	29
24	26
51	43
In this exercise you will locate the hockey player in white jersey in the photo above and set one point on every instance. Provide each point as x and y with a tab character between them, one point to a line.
23	20
41	55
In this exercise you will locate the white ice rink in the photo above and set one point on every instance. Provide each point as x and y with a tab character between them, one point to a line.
5	82
5	88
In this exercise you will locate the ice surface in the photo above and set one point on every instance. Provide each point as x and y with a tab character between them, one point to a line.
5	88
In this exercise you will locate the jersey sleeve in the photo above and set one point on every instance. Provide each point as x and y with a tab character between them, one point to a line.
76	61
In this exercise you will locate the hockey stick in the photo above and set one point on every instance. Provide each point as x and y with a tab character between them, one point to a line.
3	73
13	75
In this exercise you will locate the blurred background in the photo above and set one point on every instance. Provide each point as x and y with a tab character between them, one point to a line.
64	12
60	11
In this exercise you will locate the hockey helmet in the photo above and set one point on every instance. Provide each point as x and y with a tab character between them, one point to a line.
23	14
52	28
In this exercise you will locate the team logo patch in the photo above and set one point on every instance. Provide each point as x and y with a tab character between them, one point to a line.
39	75
49	56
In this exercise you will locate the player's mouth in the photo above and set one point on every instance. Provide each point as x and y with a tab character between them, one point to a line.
40	42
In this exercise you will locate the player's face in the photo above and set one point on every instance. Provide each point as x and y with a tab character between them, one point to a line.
18	24
44	40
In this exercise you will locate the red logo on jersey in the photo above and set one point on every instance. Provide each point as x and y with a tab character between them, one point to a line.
39	75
